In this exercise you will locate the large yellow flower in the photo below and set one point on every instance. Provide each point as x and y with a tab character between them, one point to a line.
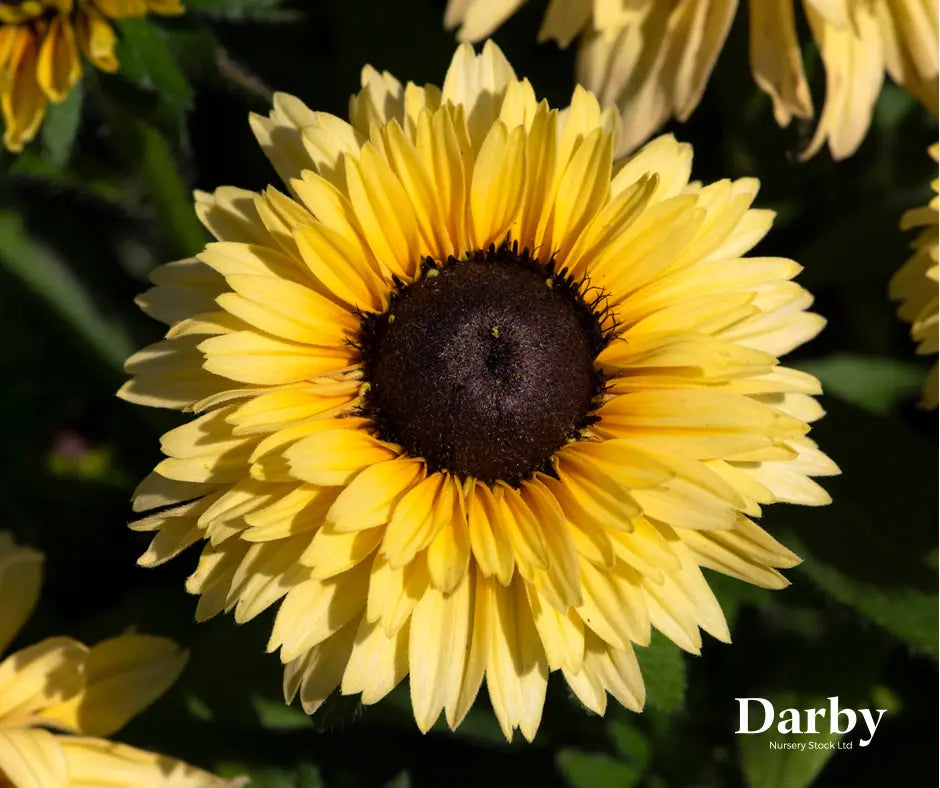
41	44
915	284
652	58
62	685
472	400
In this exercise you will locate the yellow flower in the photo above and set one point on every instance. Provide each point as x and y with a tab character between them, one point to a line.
915	284
85	693
472	400
652	58
41	43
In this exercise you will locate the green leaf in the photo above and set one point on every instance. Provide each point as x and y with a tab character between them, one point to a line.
590	770
61	125
46	275
169	194
32	164
630	743
259	10
306	776
907	613
764	766
147	60
274	714
875	383
663	672
402	780
872	548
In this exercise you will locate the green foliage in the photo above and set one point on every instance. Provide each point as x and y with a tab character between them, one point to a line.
587	770
44	273
877	384
256	10
663	672
147	60
764	767
61	126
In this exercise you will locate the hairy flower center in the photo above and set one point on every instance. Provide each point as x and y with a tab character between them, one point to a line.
484	366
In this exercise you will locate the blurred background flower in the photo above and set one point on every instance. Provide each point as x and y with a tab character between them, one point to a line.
653	58
41	47
58	698
915	284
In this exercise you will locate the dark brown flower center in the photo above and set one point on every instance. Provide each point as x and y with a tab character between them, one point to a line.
484	366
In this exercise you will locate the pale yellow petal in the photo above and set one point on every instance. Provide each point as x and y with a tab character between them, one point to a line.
33	758
93	763
123	675
20	581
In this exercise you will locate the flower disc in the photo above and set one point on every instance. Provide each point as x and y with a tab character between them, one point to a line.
483	367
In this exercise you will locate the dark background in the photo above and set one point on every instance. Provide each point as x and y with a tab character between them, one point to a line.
104	195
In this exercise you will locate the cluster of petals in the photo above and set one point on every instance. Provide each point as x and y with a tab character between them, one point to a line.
652	58
381	567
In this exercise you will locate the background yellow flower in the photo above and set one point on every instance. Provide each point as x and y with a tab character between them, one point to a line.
652	58
915	284
59	697
41	47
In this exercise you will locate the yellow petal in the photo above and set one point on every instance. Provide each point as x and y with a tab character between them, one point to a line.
249	357
33	758
370	498
488	539
280	135
335	456
449	552
516	668
22	100
613	605
479	83
776	61
97	762
123	675
498	184
854	61
393	592
384	210
20	581
317	672
419	515
96	38
40	676
230	214
448	162
59	66
328	255
439	634
377	663
331	553
562	634
313	611
288	310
